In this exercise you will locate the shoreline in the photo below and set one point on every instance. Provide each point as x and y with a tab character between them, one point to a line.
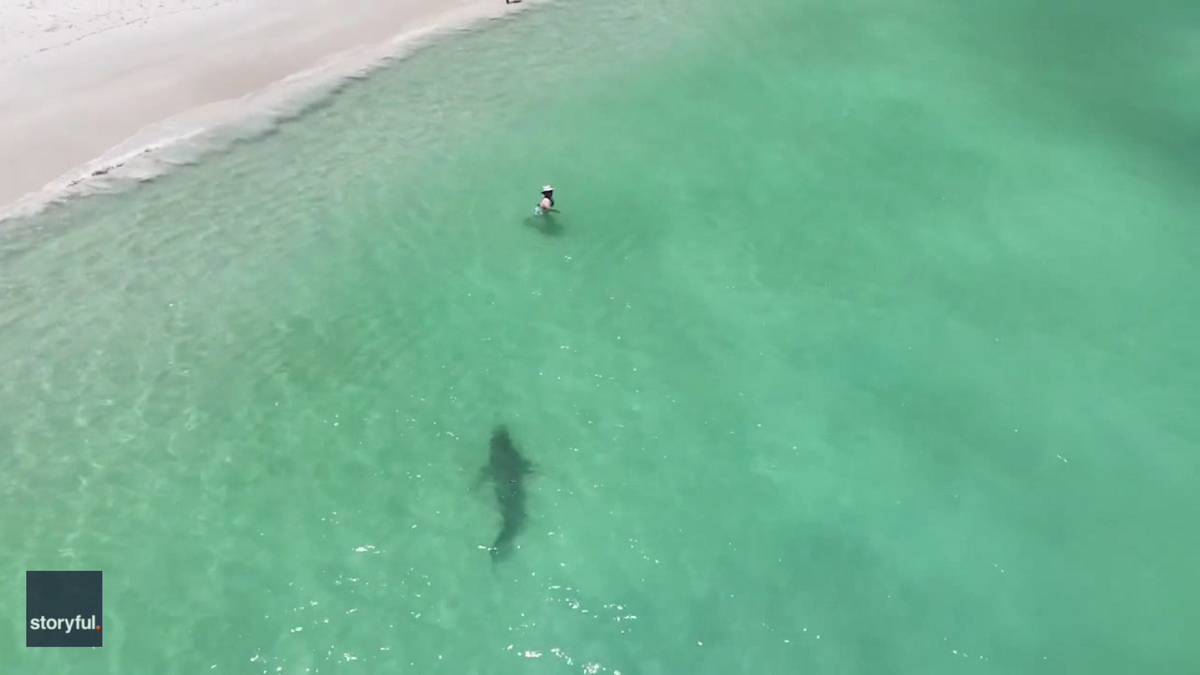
94	111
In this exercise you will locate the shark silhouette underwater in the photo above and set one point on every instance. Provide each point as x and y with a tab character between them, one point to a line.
508	471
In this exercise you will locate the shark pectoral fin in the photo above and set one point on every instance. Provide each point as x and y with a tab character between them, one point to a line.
480	479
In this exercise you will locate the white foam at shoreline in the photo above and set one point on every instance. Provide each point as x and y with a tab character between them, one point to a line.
213	126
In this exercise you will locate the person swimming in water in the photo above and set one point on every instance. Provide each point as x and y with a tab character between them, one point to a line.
546	205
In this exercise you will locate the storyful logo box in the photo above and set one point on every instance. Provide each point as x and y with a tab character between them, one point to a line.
64	609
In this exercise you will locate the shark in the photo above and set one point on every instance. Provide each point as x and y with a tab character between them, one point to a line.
508	470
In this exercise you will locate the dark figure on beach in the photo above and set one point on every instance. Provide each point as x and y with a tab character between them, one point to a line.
507	469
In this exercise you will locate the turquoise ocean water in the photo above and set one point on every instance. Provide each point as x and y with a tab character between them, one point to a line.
865	342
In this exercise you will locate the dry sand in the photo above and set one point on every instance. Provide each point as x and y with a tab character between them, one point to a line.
79	77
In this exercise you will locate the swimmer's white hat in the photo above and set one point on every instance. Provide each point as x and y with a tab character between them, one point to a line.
547	188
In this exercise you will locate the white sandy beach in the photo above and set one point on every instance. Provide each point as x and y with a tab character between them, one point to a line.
80	77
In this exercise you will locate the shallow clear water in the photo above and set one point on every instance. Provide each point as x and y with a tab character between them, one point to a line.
863	344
